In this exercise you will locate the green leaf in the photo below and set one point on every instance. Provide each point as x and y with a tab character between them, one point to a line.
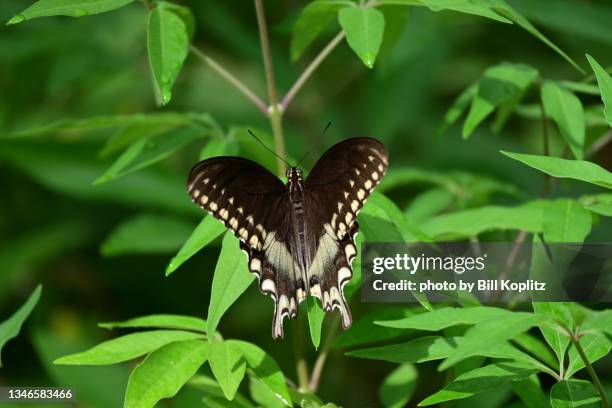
145	152
168	45
130	134
499	84
537	348
164	372
600	204
364	28
206	232
605	86
316	315
146	234
10	327
127	347
311	22
491	332
504	9
595	345
398	387
563	168
150	120
442	318
567	112
479	380
530	392
429	203
472	222
232	278
566	220
574	394
580	87
364	330
423	349
599	321
386	209
265	369
478	8
458	107
262	396
228	366
554	336
163	321
70	8
211	388
69	168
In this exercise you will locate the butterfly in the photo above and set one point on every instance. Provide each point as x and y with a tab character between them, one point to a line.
299	237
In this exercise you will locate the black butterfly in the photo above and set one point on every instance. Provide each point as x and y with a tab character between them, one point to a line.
300	237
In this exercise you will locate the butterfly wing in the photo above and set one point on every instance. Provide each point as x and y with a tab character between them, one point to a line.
254	204
335	191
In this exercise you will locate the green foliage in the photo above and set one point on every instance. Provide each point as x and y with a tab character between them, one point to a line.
364	28
574	393
574	169
164	372
452	192
168	41
567	112
71	8
231	279
10	327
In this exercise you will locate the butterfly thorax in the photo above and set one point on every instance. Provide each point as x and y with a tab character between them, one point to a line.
295	186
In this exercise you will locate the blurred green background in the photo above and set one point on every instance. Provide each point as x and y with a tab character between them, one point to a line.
53	221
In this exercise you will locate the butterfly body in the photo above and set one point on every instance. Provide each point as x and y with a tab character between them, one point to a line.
299	236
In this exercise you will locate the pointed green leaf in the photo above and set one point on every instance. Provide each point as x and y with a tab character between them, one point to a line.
146	234
316	315
478	8
458	107
604	80
574	394
599	321
10	327
168	44
567	112
311	23
145	152
479	380
595	345
470	223
265	369
536	347
228	366
364	28
164	372
563	168
398	387
442	318
211	388
70	8
162	321
231	279
127	347
491	332
423	349
554	336
499	84
206	232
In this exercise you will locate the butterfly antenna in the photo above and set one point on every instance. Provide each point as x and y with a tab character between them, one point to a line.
312	149
267	148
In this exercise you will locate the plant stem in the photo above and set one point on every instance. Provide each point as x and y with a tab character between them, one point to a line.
317	370
301	366
310	69
250	95
265	50
275	111
545	145
604	398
